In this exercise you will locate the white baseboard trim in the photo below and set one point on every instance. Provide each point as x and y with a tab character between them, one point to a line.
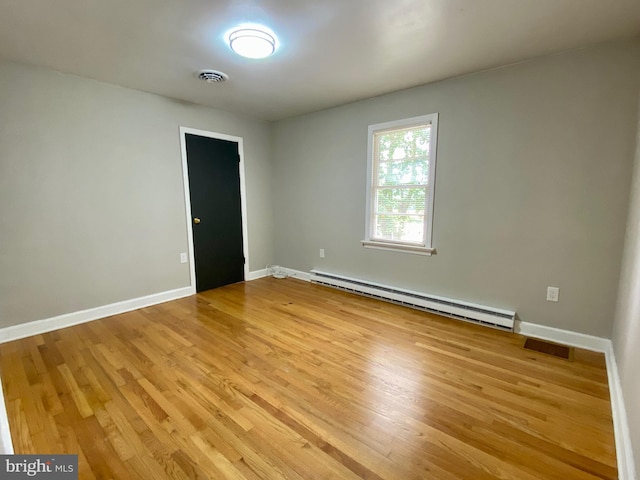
624	452
566	337
256	274
306	276
38	327
285	273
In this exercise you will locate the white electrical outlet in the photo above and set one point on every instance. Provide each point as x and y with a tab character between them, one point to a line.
183	257
553	294
322	253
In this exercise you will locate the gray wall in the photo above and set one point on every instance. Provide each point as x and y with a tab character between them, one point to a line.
91	194
534	164
626	329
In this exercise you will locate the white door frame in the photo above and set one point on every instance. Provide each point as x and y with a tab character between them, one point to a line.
187	197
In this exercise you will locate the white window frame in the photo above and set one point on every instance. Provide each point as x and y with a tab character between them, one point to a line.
425	247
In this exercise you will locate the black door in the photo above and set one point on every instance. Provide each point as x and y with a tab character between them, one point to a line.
214	185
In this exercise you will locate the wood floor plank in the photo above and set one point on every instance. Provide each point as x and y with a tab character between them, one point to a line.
282	379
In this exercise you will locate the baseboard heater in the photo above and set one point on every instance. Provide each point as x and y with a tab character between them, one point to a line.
469	312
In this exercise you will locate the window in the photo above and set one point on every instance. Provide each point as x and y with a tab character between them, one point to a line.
400	186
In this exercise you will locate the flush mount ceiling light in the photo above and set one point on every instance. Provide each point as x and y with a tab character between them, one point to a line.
252	41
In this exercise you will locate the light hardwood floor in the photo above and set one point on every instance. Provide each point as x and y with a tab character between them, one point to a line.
281	379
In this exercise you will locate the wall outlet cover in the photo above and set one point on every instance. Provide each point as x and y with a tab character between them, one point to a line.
553	294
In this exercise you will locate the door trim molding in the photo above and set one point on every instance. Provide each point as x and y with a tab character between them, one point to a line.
187	196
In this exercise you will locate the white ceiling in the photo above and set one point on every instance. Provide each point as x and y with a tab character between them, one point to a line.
332	51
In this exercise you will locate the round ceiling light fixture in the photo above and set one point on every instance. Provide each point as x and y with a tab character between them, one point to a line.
252	41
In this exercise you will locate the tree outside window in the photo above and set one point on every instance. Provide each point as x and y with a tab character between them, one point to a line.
401	183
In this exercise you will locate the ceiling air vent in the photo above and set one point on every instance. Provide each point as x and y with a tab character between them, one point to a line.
212	76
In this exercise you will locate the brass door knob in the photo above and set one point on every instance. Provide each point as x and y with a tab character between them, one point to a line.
196	220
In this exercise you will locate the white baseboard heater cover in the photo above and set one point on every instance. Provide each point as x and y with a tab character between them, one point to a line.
470	312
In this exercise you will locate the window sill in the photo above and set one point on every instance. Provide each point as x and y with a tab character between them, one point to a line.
396	247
